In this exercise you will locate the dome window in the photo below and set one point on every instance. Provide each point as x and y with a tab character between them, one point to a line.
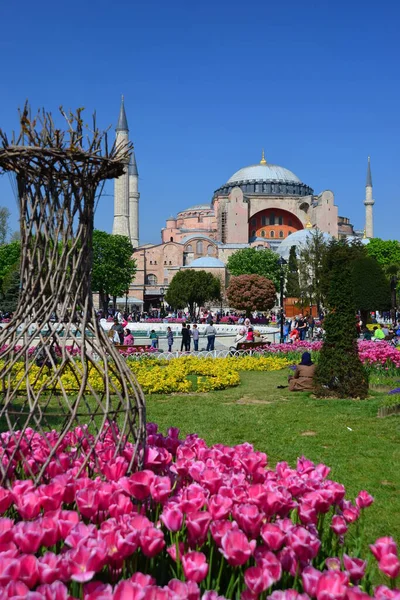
263	233
210	250
281	234
254	222
253	233
272	234
272	219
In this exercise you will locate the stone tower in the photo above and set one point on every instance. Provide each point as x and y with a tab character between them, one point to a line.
133	201
369	203
121	185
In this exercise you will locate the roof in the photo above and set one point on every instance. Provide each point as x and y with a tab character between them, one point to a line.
197	207
122	124
369	177
132	169
261	172
208	262
233	245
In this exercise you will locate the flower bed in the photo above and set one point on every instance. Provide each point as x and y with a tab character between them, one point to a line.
158	376
198	518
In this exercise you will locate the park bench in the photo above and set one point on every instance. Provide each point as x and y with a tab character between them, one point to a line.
252	345
135	347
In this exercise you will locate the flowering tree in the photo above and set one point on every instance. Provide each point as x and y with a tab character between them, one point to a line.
251	292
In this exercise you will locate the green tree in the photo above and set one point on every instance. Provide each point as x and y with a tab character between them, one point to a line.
4	227
192	289
370	285
113	266
251	292
340	372
292	276
385	252
310	261
250	261
9	275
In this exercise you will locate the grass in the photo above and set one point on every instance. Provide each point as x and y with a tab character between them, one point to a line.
362	450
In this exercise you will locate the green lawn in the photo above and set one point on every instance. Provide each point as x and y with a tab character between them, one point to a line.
287	425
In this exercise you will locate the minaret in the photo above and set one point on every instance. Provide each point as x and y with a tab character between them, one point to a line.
133	201
368	203
121	185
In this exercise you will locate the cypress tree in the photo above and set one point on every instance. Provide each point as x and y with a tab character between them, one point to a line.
292	279
340	372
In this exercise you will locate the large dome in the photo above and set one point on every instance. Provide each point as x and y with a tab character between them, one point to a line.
264	173
265	179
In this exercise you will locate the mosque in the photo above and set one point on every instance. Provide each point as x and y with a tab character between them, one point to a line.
262	206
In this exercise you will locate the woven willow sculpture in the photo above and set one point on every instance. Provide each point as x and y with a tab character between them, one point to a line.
65	374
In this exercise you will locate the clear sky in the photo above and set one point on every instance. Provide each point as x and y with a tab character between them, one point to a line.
208	84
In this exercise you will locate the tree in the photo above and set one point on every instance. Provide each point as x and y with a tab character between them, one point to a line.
9	275
370	285
292	277
9	294
250	261
251	292
385	252
4	227
113	266
310	261
340	372
192	289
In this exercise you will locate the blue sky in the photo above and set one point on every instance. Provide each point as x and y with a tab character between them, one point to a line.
207	85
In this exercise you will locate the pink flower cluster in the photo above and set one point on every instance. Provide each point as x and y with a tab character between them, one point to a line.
196	519
379	353
72	350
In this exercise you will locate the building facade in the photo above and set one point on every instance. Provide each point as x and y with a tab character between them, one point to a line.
260	206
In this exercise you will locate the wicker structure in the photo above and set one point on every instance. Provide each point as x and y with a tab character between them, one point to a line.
64	372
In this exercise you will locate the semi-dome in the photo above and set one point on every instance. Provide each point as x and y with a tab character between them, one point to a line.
265	179
263	172
206	262
299	240
196	207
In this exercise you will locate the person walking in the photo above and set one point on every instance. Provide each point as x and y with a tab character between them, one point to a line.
302	327
117	327
170	338
154	339
189	336
195	336
210	332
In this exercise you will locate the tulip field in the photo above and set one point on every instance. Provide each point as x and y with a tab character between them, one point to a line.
261	494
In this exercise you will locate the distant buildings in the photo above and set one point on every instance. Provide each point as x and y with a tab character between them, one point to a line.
261	205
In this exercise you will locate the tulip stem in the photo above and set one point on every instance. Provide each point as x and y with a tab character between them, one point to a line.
210	566
221	566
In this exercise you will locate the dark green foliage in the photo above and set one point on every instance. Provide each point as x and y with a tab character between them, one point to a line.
310	263
292	278
10	291
370	285
250	261
192	289
340	372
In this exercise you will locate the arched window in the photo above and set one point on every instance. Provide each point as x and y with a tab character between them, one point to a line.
280	220
272	234
210	250
171	239
281	234
253	233
199	247
151	279
263	233
272	219
189	248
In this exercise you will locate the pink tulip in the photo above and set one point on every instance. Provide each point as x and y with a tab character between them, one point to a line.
49	567
269	562
82	563
96	590
355	567
5	500
339	525
287	595
273	536
142	579
382	546
195	566
160	489
249	518
151	541
257	579
220	528
305	545
220	507
28	536
6	530
88	502
138	484
128	590
53	591
332	585
389	564
364	499
310	577
381	592
236	548
172	517
197	524
9	569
